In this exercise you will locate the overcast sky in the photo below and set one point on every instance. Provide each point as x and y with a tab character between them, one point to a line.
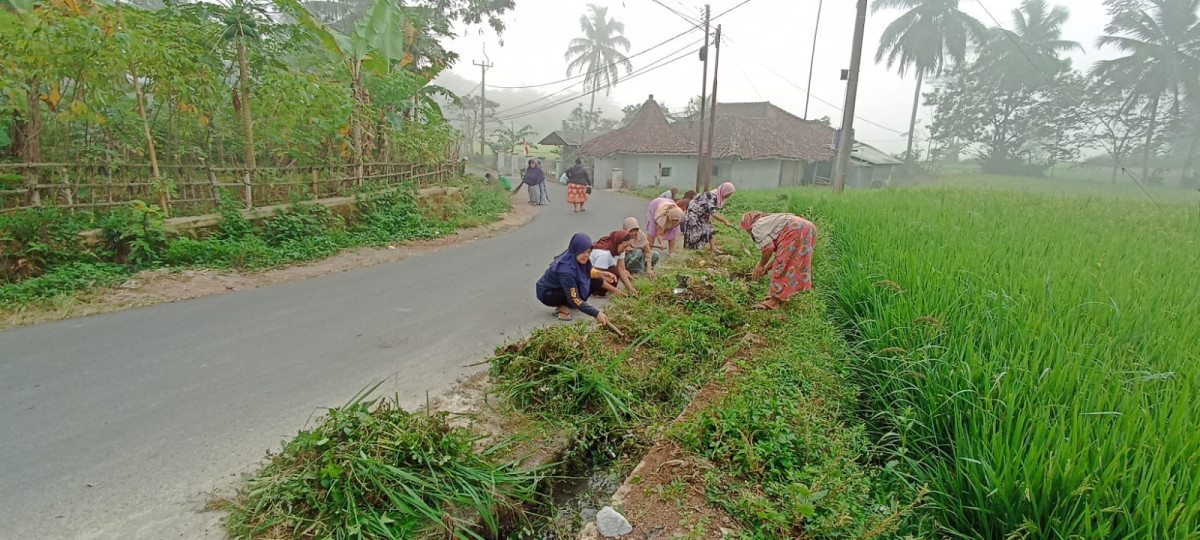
766	57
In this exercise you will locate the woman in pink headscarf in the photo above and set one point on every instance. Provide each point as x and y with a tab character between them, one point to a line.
697	224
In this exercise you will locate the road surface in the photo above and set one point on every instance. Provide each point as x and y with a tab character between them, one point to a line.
117	426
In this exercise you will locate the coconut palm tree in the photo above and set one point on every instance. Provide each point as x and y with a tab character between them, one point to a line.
929	37
1036	38
598	54
1162	60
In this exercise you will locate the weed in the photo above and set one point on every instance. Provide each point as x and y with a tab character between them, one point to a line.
370	470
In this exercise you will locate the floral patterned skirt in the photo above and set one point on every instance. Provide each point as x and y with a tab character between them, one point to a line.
576	193
792	270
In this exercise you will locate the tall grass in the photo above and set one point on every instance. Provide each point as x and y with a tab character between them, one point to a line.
1035	358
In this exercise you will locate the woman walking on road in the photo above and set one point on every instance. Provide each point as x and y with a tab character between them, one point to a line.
535	180
790	239
579	185
663	218
567	283
697	226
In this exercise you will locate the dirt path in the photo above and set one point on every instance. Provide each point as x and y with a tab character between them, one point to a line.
166	285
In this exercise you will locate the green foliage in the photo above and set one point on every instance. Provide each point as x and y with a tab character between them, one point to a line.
35	241
61	281
137	234
1032	357
298	222
370	470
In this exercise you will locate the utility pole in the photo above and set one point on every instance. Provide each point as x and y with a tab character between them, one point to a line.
483	66
712	115
847	141
813	61
703	96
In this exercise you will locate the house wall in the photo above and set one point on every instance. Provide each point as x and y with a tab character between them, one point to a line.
753	174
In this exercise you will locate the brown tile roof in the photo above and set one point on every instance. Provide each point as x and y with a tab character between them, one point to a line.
762	130
648	133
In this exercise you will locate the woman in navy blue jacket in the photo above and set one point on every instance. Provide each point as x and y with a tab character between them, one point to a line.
567	283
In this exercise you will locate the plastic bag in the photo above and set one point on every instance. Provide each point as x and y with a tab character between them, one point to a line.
563	179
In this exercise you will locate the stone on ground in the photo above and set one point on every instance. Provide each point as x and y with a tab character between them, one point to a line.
611	523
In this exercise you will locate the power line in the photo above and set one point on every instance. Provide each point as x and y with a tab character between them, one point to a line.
664	63
814	96
607	66
686	18
511	111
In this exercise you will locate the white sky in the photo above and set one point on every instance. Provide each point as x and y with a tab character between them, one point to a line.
765	36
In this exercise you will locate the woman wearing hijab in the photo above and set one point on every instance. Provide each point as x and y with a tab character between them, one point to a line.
535	179
608	254
641	258
697	225
568	282
790	239
662	222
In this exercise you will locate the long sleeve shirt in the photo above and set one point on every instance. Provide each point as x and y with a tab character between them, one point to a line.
565	282
578	175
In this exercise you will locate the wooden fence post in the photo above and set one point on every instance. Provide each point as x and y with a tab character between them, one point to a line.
66	180
212	181
246	188
31	184
316	188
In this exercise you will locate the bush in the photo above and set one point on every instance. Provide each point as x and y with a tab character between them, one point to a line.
297	222
65	279
34	241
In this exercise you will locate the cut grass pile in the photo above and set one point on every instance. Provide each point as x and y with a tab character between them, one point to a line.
370	470
1034	358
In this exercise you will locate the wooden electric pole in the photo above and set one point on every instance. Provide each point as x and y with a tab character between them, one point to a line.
846	142
703	97
712	114
483	66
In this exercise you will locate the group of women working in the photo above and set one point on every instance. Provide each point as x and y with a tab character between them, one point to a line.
600	268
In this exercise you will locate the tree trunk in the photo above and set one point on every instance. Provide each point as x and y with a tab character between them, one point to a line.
1149	139
912	123
247	119
355	128
28	132
141	103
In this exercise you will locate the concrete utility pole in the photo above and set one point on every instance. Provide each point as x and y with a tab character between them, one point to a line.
813	61
703	97
845	145
484	66
712	116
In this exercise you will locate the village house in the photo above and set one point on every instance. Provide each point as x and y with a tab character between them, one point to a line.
757	146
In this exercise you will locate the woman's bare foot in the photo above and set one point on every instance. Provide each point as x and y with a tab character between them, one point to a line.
771	304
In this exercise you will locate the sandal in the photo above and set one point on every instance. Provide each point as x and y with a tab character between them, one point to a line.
564	317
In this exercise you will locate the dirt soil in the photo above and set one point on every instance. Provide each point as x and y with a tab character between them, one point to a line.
165	285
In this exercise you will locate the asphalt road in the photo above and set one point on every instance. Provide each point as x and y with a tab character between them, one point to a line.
119	425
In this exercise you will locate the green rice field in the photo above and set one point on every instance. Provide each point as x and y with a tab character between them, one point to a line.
1031	359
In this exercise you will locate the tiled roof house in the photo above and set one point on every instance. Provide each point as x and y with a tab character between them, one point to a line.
758	146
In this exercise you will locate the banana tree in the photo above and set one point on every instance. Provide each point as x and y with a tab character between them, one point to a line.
379	41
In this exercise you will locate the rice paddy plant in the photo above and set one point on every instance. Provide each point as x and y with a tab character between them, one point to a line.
1034	358
370	470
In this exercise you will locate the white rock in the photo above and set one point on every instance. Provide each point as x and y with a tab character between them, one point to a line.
611	523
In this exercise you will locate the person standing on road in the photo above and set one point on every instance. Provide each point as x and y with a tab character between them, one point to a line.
790	239
567	283
663	218
535	179
641	257
579	185
697	225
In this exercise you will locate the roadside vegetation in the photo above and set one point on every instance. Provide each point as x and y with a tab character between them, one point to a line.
46	259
